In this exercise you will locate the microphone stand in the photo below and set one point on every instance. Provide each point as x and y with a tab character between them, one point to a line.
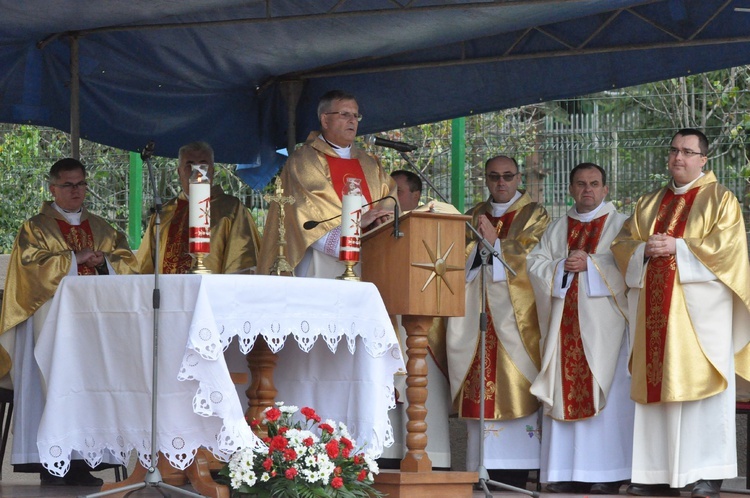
484	476
485	250
153	476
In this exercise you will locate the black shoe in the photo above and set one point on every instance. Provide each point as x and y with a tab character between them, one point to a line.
80	477
606	488
652	490
512	477
48	479
707	489
568	487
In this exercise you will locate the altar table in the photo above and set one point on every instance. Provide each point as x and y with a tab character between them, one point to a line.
95	357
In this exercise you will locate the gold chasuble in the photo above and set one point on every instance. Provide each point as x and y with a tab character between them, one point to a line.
577	380
42	255
506	384
234	237
312	175
668	363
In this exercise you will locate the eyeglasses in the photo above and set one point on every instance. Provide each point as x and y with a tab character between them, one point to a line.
495	177
347	115
674	151
71	186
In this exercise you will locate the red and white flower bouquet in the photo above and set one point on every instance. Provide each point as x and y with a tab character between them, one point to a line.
304	458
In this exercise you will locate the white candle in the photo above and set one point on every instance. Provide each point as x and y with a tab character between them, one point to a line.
199	193
351	211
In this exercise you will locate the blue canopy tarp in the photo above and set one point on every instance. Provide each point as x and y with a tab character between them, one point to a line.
219	70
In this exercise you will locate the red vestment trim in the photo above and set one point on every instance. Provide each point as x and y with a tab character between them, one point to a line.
177	257
659	284
577	380
341	169
78	238
471	398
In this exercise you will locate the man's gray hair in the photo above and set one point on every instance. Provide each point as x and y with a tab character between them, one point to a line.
196	147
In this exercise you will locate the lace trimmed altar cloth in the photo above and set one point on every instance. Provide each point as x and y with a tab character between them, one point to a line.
94	354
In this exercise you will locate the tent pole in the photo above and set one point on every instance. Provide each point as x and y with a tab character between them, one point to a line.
291	91
75	107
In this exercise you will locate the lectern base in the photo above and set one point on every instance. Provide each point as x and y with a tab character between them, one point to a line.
426	484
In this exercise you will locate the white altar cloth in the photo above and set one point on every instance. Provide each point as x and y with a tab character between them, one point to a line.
94	354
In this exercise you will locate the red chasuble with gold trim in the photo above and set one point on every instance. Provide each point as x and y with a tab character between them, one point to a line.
78	237
341	169
659	284
177	257
471	399
577	380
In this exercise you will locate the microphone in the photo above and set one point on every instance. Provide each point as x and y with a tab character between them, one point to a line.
147	151
310	224
391	144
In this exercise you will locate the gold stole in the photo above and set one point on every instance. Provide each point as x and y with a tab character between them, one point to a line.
78	237
577	381
659	284
177	257
471	394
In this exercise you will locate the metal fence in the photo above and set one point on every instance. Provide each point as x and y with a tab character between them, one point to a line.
546	145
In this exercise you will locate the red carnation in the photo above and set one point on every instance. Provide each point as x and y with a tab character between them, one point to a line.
337	482
290	473
290	455
282	430
279	443
310	414
255	423
332	448
327	428
308	441
362	475
273	414
357	459
267	464
347	443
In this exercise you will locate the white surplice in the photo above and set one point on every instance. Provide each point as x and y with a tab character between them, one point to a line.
596	449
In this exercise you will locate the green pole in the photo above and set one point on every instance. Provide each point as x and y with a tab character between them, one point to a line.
458	160
135	200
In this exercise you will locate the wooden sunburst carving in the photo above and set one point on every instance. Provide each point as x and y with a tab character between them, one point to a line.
438	266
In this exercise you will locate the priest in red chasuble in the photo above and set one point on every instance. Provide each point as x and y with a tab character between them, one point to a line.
234	236
684	257
513	224
583	383
63	239
315	175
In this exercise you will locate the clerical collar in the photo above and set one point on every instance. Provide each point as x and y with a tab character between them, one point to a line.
72	217
343	152
499	209
681	190
586	217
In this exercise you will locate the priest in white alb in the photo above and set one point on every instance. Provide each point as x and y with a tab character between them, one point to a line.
583	384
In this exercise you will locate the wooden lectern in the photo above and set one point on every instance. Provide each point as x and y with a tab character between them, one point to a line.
419	276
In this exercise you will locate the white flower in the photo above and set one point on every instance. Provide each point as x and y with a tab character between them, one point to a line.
288	409
372	464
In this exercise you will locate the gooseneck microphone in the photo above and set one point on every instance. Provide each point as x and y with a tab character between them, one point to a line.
391	144
310	224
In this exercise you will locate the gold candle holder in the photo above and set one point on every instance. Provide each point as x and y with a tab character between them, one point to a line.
199	266
349	272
